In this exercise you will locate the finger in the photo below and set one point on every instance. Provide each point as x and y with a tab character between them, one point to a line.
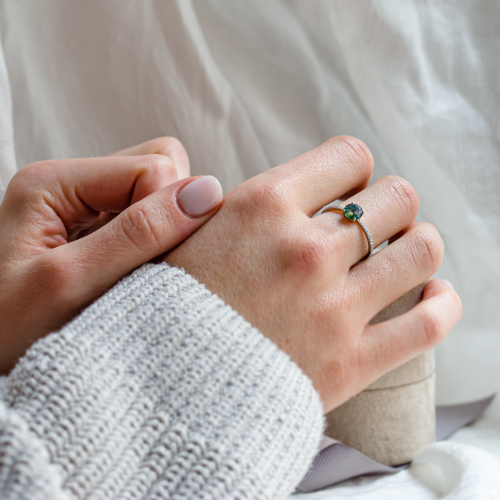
324	174
396	341
389	205
79	190
397	268
143	231
166	146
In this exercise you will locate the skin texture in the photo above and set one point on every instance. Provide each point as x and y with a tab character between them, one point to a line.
291	276
295	277
70	229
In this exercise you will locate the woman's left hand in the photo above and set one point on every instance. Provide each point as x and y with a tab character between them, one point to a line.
294	277
70	229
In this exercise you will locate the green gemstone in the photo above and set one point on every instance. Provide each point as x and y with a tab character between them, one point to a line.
353	211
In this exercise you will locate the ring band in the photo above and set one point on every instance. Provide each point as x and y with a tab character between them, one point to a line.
353	213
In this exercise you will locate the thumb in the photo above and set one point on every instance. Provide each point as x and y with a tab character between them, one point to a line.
143	231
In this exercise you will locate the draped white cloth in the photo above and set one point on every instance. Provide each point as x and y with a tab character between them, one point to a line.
248	85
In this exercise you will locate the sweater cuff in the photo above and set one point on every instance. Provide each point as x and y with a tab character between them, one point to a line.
159	389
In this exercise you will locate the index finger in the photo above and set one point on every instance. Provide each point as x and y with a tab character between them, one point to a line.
110	184
67	196
166	146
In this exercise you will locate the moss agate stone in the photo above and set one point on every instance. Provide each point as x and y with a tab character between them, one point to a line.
353	211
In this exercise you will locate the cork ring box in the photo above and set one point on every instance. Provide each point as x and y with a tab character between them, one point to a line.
395	416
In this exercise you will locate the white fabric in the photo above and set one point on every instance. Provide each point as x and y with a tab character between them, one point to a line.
439	471
248	85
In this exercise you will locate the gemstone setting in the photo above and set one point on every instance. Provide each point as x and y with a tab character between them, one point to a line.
353	211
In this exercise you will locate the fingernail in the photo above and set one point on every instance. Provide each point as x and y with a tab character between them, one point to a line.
449	284
200	196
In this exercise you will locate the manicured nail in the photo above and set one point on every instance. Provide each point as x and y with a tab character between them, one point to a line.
449	284
200	196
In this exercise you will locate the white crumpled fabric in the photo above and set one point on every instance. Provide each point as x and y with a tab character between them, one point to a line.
248	85
442	470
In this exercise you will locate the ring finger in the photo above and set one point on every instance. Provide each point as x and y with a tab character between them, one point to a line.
390	205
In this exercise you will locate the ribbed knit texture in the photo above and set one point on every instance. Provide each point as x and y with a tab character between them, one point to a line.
158	390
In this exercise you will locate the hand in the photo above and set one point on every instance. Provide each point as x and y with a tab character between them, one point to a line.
292	276
70	229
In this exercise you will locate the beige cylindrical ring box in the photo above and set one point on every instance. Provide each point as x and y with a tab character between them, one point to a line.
394	417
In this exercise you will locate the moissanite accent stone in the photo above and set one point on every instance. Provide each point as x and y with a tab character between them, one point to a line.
353	211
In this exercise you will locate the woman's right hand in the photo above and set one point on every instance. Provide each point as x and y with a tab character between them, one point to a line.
70	229
292	276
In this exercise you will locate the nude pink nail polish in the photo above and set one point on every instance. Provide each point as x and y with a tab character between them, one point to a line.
200	196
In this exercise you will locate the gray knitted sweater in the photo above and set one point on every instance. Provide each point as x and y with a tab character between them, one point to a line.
158	390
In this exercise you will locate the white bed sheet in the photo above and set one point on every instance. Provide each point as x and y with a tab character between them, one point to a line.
465	467
248	85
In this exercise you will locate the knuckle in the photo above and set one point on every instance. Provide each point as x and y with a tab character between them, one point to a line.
427	249
433	328
32	172
159	165
262	197
33	168
56	275
356	151
30	179
403	194
306	252
173	148
144	224
346	154
167	146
